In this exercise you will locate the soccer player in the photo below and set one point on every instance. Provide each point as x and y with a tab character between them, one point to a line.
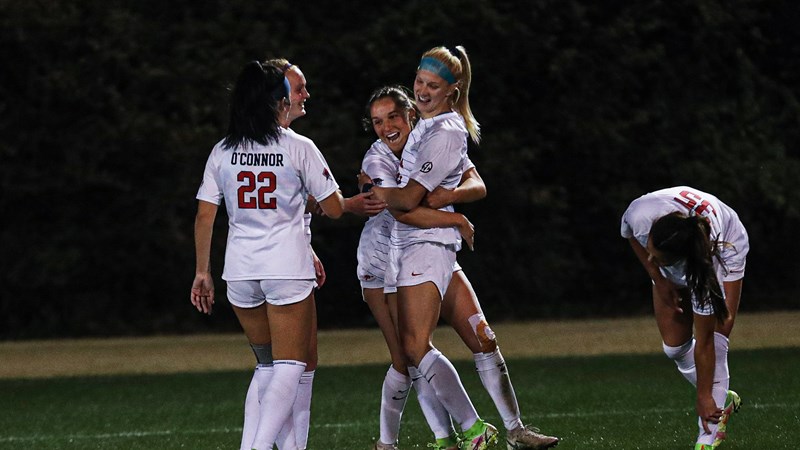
694	247
421	261
390	113
265	174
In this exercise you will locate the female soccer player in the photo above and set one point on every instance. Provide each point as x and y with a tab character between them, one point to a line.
694	248
265	174
390	112
421	262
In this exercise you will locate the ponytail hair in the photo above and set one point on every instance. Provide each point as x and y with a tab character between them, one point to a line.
457	62
681	237
257	96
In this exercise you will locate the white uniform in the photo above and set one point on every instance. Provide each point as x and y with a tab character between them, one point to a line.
726	228
265	190
383	167
434	156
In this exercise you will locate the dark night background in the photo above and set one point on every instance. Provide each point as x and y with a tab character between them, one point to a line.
108	111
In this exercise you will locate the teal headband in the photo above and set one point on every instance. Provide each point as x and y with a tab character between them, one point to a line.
435	66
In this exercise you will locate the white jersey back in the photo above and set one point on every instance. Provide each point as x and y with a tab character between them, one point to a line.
726	228
383	167
435	155
265	189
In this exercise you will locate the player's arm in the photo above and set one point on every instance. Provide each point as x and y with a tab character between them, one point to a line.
403	199
664	288
422	217
364	204
332	205
471	189
705	359
202	294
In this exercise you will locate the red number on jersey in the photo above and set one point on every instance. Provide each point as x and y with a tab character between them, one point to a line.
695	203
266	184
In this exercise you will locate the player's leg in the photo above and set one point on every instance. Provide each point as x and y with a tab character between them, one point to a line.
248	303
461	309
289	324
396	383
728	400
301	412
676	334
418	313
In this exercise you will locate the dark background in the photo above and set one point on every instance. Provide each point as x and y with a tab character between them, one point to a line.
108	111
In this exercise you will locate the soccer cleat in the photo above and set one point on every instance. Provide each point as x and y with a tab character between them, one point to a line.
525	438
448	443
732	404
479	436
700	446
381	446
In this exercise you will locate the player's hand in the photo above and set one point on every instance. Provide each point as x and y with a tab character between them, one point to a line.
439	198
708	411
364	204
313	207
467	230
319	271
202	295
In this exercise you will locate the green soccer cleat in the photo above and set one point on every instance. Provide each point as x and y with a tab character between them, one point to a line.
700	446
448	443
732	404
479	436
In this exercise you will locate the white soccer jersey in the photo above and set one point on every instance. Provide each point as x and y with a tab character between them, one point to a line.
726	228
435	155
383	167
265	189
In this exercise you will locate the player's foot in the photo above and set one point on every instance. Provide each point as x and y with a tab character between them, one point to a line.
381	446
448	443
732	404
479	436
527	438
700	446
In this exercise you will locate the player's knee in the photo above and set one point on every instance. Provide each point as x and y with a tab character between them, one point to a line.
486	337
676	353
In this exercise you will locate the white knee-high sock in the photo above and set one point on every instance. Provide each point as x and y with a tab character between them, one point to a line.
492	369
435	413
286	436
442	376
683	355
302	409
277	402
719	389
261	376
394	394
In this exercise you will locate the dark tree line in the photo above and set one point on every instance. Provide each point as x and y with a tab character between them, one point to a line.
109	110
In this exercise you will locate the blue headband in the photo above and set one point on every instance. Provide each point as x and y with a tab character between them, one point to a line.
435	66
282	90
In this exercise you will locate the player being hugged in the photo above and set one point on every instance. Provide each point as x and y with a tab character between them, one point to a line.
694	248
265	175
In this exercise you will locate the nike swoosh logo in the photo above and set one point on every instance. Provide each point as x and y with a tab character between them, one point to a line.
414	274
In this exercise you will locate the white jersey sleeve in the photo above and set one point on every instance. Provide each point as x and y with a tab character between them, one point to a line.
381	165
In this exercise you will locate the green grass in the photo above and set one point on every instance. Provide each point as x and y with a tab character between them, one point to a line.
603	402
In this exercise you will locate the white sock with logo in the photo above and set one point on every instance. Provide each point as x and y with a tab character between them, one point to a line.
444	379
394	394
436	415
492	369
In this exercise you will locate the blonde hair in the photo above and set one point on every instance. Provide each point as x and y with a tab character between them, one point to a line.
459	66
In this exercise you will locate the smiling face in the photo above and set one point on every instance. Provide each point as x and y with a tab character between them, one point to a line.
432	93
298	95
391	123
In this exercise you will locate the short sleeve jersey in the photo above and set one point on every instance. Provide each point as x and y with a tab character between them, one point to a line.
726	229
435	155
265	190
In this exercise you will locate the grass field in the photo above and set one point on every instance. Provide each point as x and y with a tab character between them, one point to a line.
603	401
